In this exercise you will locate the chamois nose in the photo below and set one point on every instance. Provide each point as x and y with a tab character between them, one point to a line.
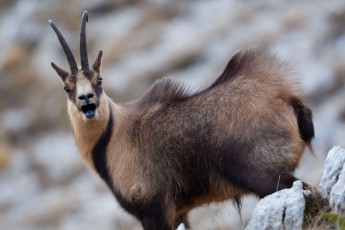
86	97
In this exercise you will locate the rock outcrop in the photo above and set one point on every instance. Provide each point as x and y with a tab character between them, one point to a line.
285	209
332	184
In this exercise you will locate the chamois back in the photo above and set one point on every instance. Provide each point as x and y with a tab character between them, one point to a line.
253	62
165	90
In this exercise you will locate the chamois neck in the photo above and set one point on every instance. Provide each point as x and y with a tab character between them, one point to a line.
87	133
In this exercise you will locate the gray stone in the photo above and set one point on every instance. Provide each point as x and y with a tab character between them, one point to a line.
281	210
337	195
332	175
332	185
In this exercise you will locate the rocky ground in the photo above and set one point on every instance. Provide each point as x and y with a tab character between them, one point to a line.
43	181
321	207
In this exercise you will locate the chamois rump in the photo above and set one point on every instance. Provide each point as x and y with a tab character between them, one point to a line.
172	150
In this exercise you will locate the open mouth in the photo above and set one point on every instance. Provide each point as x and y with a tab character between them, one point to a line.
89	110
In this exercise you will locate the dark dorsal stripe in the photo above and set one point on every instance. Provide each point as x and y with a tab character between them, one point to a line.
99	152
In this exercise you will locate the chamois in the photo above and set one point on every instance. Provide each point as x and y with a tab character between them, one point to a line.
173	150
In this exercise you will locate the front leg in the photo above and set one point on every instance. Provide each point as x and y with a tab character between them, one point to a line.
158	217
154	214
155	222
182	219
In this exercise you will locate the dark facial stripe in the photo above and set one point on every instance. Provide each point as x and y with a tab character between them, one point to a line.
71	95
99	152
97	88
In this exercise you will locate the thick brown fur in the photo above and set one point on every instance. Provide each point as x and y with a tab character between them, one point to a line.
239	136
173	150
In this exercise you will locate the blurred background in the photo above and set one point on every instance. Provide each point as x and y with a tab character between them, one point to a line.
44	183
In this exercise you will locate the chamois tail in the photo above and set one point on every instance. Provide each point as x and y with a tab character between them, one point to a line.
304	120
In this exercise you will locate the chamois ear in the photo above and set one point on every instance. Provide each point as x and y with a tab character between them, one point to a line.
96	66
62	73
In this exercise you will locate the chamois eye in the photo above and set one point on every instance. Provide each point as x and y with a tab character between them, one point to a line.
68	90
99	81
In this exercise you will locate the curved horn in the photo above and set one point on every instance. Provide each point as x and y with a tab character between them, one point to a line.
66	49
83	48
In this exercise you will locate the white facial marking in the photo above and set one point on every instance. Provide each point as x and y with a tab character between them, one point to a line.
84	87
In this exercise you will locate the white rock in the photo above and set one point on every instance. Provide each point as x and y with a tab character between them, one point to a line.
337	195
331	174
281	210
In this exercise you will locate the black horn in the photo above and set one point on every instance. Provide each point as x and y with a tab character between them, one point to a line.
83	48
66	49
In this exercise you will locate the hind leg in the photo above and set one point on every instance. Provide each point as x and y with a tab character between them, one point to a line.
155	214
256	180
276	183
258	174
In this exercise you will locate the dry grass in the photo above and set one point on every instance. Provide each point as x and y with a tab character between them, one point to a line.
318	215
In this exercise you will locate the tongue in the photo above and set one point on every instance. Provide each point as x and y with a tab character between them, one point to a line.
90	114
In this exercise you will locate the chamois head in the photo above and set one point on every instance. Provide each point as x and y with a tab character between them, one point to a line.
84	85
